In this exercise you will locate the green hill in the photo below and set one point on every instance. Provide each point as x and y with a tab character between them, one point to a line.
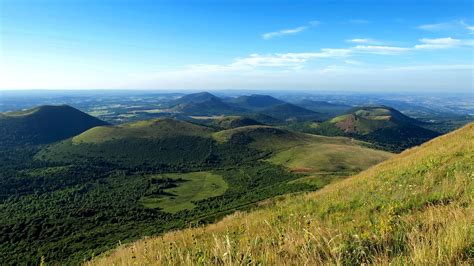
414	209
381	125
254	133
195	98
148	129
158	143
44	124
317	156
203	103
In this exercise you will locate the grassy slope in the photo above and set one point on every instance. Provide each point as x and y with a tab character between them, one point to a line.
197	186
308	153
320	157
416	208
157	141
152	129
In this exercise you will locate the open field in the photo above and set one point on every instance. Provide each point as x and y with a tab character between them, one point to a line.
328	158
192	187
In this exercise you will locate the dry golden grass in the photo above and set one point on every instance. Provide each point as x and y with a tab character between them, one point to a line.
416	208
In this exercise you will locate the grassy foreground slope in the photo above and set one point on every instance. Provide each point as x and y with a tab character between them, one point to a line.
416	208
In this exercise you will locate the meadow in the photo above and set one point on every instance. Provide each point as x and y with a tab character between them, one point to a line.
191	187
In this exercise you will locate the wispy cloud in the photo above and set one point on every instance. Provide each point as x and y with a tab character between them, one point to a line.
455	25
471	29
287	59
425	43
442	43
436	26
270	35
363	41
380	49
296	62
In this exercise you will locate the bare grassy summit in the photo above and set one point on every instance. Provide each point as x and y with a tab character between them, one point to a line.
416	208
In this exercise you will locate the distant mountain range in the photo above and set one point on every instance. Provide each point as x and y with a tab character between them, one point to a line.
381	125
205	103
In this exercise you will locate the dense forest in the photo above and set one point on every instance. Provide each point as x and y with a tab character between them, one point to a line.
68	211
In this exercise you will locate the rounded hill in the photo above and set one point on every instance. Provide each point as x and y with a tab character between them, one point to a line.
148	129
44	124
382	125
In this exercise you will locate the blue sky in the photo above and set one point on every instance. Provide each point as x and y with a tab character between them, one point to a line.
307	45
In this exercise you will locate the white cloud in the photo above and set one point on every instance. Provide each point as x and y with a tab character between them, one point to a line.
353	62
297	60
287	59
425	44
442	43
257	60
363	41
380	49
270	35
455	25
433	67
436	26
